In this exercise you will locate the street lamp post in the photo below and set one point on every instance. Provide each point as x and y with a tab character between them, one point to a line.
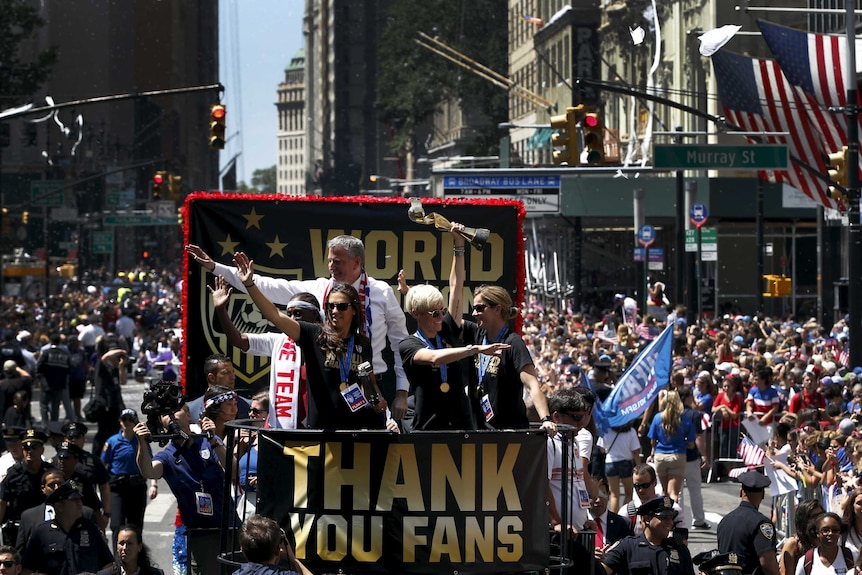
854	248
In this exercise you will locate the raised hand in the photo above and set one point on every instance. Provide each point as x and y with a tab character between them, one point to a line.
201	257
244	267
221	293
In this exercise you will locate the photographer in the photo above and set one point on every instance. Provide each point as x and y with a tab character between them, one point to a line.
193	467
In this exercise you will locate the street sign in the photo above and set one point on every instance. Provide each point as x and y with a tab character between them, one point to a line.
540	194
40	193
656	258
698	215
708	240
715	157
102	242
646	235
139	220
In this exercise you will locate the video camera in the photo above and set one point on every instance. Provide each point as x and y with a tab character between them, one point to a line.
163	398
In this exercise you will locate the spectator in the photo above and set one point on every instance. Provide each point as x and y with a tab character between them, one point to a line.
265	546
78	374
220	406
795	546
133	556
671	435
610	527
10	561
110	373
725	411
694	461
18	414
622	448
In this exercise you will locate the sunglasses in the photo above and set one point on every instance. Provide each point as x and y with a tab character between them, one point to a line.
576	417
437	312
340	306
480	307
7	563
642	485
256	411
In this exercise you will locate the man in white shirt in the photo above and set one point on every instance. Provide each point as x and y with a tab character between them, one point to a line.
384	317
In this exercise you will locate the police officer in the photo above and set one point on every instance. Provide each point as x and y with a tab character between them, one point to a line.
715	563
22	487
653	552
90	466
747	532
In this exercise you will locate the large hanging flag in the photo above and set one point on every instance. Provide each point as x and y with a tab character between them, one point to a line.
757	97
636	389
598	413
815	64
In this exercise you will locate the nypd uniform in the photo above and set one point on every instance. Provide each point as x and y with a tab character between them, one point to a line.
635	555
53	550
714	563
745	531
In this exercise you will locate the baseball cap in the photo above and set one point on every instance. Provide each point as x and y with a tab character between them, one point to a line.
9	366
129	412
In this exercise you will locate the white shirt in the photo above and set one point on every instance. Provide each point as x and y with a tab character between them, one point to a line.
387	319
839	567
619	446
577	515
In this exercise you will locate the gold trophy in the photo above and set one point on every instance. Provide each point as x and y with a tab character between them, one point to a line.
477	237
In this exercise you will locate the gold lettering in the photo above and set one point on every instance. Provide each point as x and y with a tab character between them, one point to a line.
301	528
496	479
477	538
300	452
375	255
400	457
477	272
511	543
337	476
357	537
445	472
411	539
331	529
445	541
413	258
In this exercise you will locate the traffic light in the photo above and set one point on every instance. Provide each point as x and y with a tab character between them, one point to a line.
566	137
175	185
593	137
159	185
217	127
838	174
25	217
180	219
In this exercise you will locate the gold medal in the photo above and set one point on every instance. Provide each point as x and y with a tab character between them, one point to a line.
343	386
444	387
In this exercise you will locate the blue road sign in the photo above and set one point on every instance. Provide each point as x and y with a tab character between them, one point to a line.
698	214
646	235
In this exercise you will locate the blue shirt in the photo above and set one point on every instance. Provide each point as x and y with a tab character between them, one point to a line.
198	471
671	444
119	455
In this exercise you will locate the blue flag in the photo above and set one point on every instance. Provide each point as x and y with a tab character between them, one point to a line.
639	385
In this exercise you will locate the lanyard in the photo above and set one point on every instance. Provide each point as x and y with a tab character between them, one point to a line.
484	360
344	362
443	367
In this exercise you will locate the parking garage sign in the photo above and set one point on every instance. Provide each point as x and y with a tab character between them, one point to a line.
540	194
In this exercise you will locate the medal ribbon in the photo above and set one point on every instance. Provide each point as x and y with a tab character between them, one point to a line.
443	366
484	360
344	362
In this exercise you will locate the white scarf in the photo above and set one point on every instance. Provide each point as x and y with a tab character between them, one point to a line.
285	374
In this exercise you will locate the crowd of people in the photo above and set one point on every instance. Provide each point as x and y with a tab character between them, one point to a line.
783	382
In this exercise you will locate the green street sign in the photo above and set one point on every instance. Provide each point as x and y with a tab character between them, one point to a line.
102	242
139	220
715	157
707	236
40	193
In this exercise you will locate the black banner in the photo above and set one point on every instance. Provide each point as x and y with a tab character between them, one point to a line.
286	237
416	503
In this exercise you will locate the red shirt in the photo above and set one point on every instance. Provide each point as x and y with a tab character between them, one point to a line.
735	405
803	400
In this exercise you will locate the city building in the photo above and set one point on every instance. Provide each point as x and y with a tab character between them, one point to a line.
291	169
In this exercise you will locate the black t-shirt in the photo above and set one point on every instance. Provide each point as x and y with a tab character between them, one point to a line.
22	489
438	406
327	408
54	365
501	380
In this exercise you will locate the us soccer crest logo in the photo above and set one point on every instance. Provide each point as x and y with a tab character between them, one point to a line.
251	370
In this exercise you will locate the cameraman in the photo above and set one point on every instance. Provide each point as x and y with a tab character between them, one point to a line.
193	468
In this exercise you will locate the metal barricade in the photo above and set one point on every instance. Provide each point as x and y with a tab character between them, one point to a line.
723	452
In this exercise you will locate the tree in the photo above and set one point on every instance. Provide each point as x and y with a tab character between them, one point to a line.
20	78
413	81
263	181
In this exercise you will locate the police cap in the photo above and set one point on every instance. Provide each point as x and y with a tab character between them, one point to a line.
753	481
659	507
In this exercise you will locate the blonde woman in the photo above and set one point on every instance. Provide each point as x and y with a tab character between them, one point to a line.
671	434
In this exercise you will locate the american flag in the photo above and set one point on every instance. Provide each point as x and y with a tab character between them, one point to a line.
533	20
844	357
815	65
757	97
751	453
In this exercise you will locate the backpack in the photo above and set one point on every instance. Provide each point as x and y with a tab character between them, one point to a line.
808	561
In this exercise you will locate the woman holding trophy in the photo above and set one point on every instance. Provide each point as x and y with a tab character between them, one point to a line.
435	362
500	379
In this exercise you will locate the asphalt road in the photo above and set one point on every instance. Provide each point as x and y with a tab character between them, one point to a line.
719	499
